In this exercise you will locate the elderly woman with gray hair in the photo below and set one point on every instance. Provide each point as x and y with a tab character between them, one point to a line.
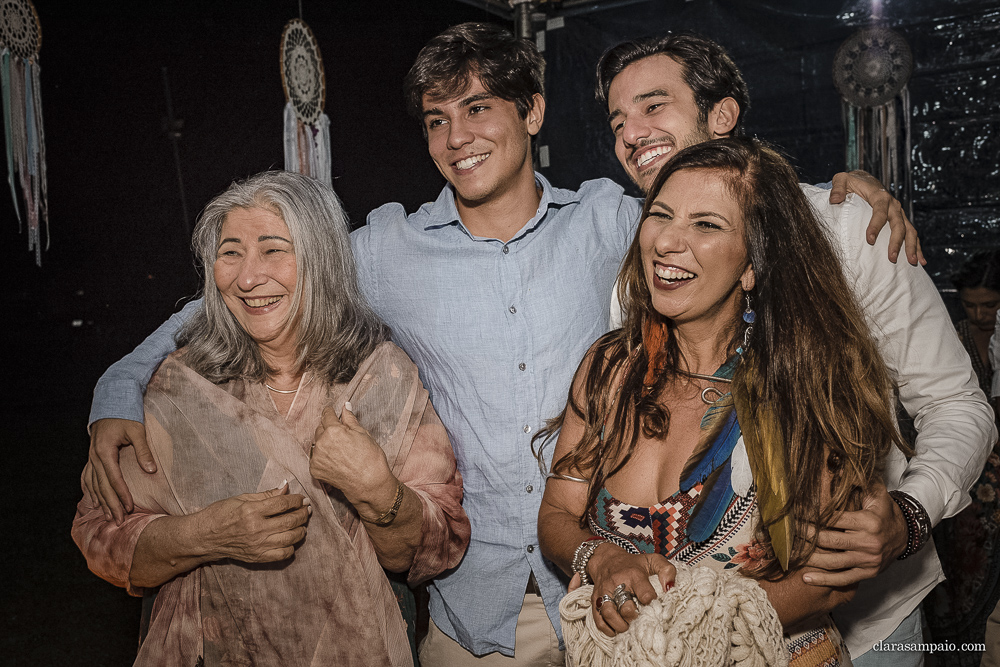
297	455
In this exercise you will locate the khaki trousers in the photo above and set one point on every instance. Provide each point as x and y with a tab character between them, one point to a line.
536	644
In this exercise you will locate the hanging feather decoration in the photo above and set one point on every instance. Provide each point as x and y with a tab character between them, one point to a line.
871	70
766	451
20	75
307	128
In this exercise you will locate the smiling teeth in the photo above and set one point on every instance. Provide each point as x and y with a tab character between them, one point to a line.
470	162
260	303
646	157
673	274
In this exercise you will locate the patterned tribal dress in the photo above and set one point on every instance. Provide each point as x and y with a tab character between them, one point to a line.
663	528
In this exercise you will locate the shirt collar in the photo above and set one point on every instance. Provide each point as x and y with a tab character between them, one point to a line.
443	212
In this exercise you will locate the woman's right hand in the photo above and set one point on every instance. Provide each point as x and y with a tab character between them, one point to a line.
610	566
254	527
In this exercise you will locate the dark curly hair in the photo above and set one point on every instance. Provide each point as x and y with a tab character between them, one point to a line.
708	70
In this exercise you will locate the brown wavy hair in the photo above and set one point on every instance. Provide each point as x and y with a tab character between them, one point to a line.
812	359
508	67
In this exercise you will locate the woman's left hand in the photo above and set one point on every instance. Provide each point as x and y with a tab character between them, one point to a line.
610	568
346	457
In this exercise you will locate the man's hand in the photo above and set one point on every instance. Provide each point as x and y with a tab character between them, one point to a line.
860	544
105	482
885	208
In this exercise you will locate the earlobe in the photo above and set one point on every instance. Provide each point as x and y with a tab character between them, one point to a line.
748	280
722	121
536	115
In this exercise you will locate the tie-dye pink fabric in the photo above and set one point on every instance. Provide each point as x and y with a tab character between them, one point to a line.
331	603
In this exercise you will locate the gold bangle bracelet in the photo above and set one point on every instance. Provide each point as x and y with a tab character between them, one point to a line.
388	516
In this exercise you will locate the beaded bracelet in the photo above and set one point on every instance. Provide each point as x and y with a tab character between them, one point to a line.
918	524
582	556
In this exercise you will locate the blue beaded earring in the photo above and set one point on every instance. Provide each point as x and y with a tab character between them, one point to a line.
749	316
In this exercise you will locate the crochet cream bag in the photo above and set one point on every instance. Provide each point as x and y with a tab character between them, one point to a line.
709	618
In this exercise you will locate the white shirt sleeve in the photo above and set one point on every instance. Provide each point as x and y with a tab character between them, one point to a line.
995	358
936	384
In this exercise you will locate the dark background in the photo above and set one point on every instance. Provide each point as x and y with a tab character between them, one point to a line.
119	263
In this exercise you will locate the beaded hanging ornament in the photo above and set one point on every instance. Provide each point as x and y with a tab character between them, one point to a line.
20	41
307	128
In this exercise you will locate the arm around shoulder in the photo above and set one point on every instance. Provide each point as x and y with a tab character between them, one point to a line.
118	393
116	417
932	371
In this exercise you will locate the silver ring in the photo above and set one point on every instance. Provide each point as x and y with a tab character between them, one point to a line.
621	597
601	601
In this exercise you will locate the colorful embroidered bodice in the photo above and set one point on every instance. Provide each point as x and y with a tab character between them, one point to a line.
662	529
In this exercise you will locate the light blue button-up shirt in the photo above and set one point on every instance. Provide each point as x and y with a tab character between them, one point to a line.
497	330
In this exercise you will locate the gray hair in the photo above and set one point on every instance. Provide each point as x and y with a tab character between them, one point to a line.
335	327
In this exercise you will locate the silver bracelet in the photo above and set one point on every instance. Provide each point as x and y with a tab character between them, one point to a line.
582	556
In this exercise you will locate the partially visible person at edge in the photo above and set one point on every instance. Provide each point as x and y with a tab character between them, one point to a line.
978	286
273	511
475	287
958	609
663	94
724	320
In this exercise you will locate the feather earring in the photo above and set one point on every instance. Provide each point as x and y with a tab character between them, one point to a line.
654	339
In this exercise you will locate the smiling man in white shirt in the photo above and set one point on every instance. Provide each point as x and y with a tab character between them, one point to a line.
663	94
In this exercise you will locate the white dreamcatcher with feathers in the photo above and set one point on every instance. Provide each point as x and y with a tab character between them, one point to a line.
20	41
307	128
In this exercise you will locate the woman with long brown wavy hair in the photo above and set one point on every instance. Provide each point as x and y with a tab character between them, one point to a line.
739	322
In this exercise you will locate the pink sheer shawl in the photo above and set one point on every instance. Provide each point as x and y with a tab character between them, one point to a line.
331	604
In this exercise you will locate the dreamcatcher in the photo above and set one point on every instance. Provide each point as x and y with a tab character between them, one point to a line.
20	40
871	70
307	128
